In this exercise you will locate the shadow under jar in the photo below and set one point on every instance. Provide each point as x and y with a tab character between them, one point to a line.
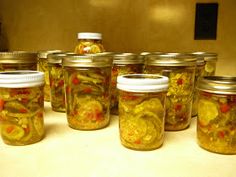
216	123
180	69
87	87
21	107
142	110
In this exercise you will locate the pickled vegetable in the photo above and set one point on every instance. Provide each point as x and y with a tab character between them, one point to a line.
87	97
141	117
21	115
89	46
57	87
118	70
216	125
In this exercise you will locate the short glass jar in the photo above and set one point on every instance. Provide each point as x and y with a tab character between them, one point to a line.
142	110
56	79
43	67
89	43
87	87
216	123
180	69
21	107
210	62
18	60
123	63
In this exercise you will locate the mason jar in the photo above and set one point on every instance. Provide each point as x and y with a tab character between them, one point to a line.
21	107
142	110
87	87
180	69
89	43
56	79
123	63
216	122
18	60
43	67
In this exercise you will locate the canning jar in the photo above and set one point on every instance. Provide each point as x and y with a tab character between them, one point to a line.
216	123
198	73
21	107
43	67
89	43
87	87
180	69
142	110
210	60
56	79
18	60
123	63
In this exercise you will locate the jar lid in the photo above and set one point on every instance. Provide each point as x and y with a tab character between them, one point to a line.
89	35
127	58
89	60
56	57
21	79
218	84
171	60
208	56
142	83
18	57
45	53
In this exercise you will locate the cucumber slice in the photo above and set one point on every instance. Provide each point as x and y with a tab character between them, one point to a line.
12	131
209	68
207	111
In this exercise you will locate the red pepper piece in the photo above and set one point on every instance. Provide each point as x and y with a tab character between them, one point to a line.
75	81
137	142
22	110
10	129
68	89
24	100
180	81
221	134
1	104
61	83
178	107
130	97
87	90
224	108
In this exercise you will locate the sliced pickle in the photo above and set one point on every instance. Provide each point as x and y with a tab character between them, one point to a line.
209	68
14	106
12	131
29	129
38	125
207	111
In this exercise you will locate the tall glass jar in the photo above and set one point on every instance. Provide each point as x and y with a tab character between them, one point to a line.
21	107
142	110
43	67
216	123
56	79
87	87
89	43
123	63
18	60
181	72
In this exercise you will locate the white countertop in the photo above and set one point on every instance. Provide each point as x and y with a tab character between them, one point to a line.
65	152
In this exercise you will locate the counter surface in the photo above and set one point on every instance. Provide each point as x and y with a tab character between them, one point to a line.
68	152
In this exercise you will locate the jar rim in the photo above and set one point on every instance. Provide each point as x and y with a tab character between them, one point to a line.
18	57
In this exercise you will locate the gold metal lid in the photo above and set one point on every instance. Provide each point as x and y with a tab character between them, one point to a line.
171	60
127	58
56	57
208	56
44	53
91	60
18	57
217	84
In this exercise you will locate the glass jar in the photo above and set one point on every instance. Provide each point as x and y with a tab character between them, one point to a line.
89	43
43	67
87	87
180	69
216	123
21	107
210	59
142	110
18	60
56	81
123	63
198	73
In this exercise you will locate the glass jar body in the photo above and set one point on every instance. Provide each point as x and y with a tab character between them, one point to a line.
179	96
89	46
87	97
21	115
210	68
216	123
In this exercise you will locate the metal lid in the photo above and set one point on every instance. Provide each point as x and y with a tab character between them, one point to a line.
89	60
56	57
208	56
127	58
171	60
21	79
217	84
44	53
18	57
142	82
89	35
